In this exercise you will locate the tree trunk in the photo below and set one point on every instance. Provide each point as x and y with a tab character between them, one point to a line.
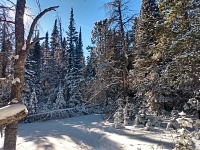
10	136
16	89
124	55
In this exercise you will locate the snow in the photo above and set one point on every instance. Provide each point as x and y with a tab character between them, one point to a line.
14	100
11	110
16	57
89	133
24	47
16	80
2	79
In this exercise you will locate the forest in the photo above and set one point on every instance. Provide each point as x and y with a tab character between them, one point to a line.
140	67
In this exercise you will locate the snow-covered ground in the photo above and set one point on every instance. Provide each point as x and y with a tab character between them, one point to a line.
89	133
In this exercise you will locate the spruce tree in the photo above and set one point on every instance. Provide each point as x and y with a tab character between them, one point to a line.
55	39
72	37
32	73
144	78
178	42
75	63
79	58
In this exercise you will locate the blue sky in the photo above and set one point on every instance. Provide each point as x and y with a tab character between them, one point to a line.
86	13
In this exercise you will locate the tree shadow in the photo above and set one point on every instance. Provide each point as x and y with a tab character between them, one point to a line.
86	131
142	136
78	133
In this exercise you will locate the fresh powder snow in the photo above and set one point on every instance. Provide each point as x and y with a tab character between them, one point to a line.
89	132
11	110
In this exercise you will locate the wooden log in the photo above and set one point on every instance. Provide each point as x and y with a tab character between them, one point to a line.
12	113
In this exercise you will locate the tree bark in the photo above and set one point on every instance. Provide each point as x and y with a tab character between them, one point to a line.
10	136
124	54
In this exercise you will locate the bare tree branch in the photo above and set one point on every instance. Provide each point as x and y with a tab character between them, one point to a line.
11	2
35	22
35	41
7	21
5	7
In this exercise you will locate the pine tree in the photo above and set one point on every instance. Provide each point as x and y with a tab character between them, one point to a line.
75	65
178	42
30	78
145	76
32	106
101	69
60	101
47	40
72	38
90	70
55	39
79	58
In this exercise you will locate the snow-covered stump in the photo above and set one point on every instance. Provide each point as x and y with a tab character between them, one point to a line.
12	113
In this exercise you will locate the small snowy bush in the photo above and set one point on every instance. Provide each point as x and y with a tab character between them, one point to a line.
197	129
148	125
193	105
128	113
184	138
118	118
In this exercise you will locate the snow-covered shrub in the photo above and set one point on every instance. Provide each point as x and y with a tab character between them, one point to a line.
193	105
197	129
183	141
172	125
141	117
174	113
128	112
144	118
60	101
148	125
32	107
139	120
118	118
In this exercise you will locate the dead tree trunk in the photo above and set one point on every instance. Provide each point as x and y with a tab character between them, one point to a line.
22	49
124	54
117	10
16	89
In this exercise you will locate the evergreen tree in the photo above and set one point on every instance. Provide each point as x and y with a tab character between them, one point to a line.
79	58
32	107
90	71
72	37
75	64
60	101
178	42
47	40
32	72
30	77
143	80
100	72
55	39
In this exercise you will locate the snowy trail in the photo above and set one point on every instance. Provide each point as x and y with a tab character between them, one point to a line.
86	133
